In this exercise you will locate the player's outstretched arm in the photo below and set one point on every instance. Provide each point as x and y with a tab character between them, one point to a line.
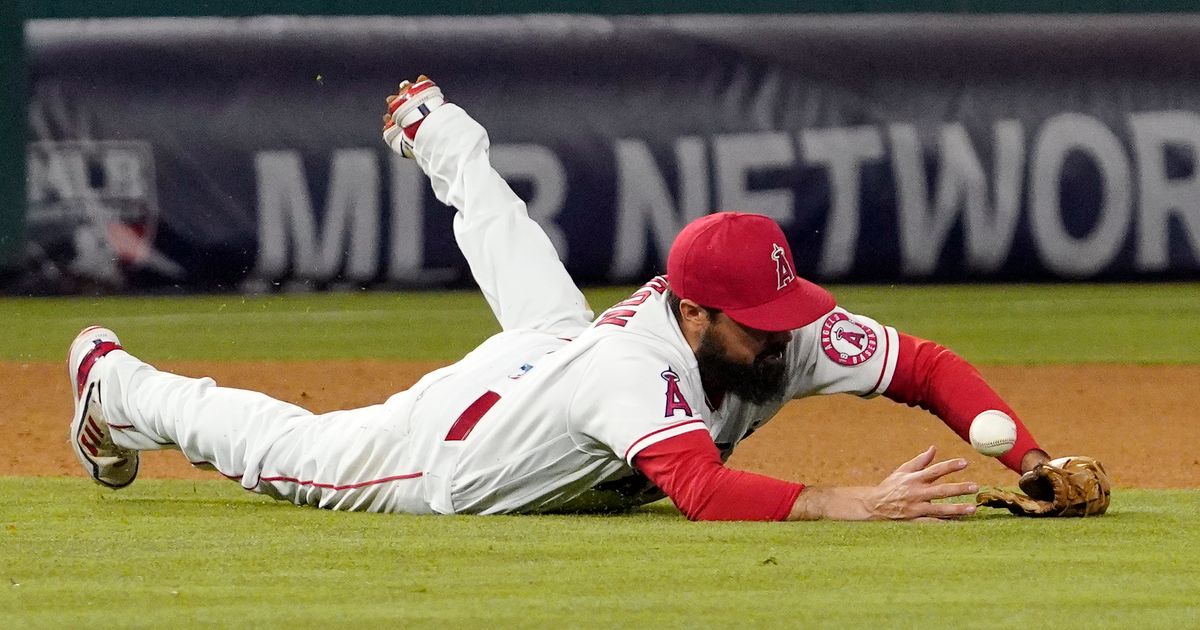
688	468
932	377
907	494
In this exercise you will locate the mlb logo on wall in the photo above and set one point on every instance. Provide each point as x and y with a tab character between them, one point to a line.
847	342
93	209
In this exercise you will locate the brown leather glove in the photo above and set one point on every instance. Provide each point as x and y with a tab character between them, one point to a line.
1067	486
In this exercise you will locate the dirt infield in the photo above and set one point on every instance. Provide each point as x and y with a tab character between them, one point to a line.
1138	420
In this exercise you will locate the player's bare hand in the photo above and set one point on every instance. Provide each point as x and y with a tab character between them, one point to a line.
909	492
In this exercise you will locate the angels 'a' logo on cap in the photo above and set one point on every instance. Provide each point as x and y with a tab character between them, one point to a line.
783	268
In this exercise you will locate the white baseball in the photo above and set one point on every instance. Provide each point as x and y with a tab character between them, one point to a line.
993	433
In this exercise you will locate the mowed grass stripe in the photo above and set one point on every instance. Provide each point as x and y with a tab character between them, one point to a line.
406	326
1045	324
993	324
187	554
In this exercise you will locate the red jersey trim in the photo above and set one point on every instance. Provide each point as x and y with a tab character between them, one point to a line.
651	434
887	349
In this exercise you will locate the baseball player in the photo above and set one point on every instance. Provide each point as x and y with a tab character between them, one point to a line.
561	411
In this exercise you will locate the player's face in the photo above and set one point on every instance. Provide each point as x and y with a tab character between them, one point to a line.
742	360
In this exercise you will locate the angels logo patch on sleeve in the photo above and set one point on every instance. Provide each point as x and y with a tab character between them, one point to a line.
846	342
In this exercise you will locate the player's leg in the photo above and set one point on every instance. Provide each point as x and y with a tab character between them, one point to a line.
510	256
124	406
354	460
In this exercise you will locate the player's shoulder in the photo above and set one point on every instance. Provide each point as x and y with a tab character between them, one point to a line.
632	349
619	360
626	371
641	309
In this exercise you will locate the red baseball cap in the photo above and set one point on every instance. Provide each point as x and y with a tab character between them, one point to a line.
742	264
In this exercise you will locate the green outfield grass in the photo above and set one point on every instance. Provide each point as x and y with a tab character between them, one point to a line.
183	554
998	324
206	554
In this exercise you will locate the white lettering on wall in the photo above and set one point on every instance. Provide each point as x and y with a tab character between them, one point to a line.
1063	253
407	247
540	166
842	151
962	189
736	156
347	237
978	185
645	208
1161	197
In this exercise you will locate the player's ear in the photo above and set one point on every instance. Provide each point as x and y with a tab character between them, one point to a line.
694	322
693	317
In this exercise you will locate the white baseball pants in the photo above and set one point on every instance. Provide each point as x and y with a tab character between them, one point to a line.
360	459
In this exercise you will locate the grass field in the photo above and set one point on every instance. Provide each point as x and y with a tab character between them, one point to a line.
205	554
1140	323
182	554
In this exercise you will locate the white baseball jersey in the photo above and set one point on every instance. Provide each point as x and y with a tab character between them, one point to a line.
561	418
545	416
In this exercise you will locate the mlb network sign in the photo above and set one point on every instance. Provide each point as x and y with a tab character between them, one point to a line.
1090	199
967	148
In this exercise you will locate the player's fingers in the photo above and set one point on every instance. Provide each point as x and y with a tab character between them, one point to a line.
949	510
941	469
918	462
947	490
392	97
421	78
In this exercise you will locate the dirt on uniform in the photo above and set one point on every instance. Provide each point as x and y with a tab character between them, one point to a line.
1137	420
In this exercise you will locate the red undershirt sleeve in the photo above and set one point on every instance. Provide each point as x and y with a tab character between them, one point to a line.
688	468
936	379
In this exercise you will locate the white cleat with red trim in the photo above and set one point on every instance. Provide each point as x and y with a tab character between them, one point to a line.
105	462
407	109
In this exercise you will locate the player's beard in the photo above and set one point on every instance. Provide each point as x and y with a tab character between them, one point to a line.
758	382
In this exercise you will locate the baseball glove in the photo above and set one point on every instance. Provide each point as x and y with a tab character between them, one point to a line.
1067	486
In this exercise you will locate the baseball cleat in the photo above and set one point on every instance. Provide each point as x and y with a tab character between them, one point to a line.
91	439
407	109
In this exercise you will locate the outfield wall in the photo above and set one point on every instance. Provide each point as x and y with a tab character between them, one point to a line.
244	154
12	138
